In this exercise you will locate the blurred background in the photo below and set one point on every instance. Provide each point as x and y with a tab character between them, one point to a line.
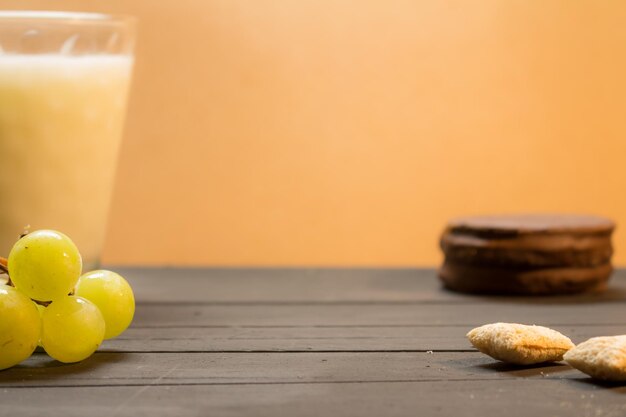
347	132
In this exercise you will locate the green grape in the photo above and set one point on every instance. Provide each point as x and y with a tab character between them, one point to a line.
72	329
45	265
19	327
113	296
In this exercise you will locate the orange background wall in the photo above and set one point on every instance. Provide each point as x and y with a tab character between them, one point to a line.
346	132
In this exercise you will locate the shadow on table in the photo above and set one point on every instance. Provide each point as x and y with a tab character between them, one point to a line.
617	387
525	371
549	368
41	369
614	294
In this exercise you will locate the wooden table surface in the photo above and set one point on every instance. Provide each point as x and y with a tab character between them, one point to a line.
304	342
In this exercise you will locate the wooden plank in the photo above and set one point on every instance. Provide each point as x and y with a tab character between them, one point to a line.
110	368
308	339
314	342
160	315
513	397
316	286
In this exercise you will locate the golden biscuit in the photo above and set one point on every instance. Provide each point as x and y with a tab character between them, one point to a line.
520	344
600	357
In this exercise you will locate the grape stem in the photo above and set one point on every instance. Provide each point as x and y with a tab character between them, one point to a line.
4	269
4	262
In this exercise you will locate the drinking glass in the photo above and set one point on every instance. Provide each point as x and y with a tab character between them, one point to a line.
64	80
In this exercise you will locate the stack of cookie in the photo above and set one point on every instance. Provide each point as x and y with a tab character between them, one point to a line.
527	254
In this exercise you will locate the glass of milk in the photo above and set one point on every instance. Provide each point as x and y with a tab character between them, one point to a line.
64	80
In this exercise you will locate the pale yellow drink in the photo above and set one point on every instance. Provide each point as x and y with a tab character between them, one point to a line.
61	120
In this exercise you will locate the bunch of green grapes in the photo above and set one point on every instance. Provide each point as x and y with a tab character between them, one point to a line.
45	301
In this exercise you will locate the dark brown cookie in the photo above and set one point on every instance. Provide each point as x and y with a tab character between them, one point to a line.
528	250
535	224
541	240
542	281
527	254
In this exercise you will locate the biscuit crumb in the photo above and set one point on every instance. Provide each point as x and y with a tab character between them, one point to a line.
600	357
520	344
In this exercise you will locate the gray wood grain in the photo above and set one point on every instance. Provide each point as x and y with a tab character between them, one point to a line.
308	339
395	314
511	397
316	285
121	368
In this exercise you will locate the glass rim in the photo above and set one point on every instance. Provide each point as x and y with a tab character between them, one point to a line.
66	17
